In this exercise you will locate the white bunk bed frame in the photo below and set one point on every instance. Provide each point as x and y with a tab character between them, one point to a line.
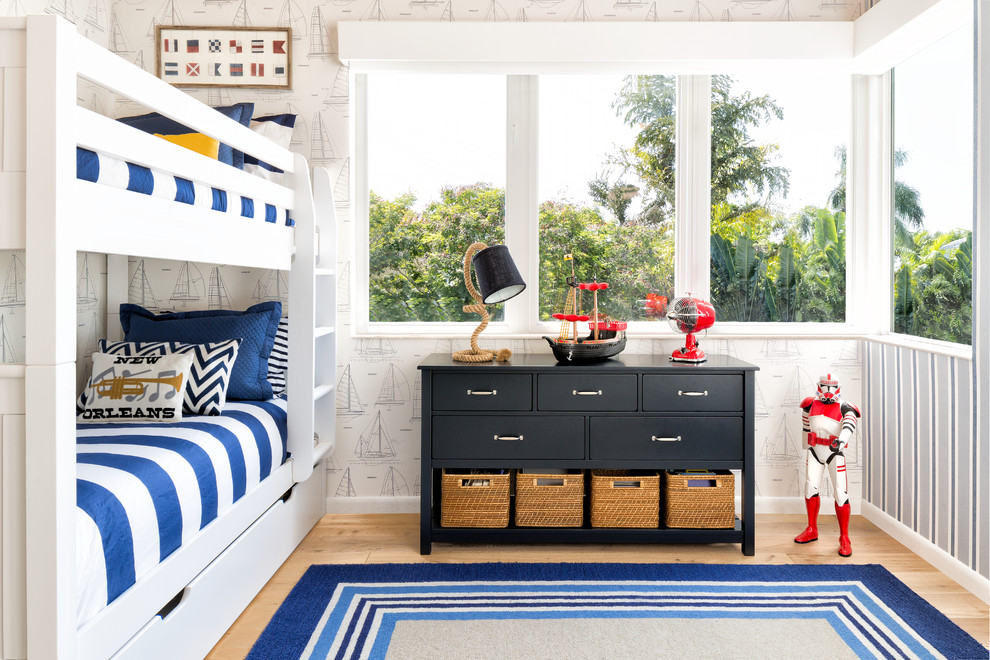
53	215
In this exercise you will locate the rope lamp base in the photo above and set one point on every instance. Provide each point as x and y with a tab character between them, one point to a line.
476	354
469	355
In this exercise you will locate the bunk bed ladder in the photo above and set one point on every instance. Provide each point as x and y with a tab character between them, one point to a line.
325	333
312	326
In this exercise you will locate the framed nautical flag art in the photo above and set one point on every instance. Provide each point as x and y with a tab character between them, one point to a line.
224	56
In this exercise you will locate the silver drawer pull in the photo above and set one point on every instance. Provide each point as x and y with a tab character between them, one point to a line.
587	393
482	392
509	437
694	393
656	439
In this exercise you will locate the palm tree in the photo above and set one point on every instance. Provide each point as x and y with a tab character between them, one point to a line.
908	214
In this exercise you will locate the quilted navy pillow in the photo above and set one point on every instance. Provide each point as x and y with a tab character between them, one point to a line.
209	377
255	327
156	123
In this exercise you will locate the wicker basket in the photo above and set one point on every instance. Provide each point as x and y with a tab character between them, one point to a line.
474	500
549	500
625	498
700	501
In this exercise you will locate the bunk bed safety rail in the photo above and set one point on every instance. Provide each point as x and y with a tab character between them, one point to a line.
98	133
108	70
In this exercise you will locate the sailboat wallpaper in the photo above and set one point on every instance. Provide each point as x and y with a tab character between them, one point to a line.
161	285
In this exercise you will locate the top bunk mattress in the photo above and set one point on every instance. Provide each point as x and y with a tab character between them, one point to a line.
142	490
116	173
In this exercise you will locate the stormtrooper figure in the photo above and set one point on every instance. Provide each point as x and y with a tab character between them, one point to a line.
828	426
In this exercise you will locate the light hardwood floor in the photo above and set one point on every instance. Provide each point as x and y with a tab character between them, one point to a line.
394	538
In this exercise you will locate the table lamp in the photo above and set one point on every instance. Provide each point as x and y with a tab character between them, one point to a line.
498	281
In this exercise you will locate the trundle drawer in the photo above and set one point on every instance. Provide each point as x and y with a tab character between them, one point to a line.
508	437
584	392
482	391
657	438
693	393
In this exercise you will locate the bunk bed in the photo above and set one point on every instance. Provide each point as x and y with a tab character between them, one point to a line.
182	604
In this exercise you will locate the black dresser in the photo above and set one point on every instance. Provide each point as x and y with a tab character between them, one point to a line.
630	412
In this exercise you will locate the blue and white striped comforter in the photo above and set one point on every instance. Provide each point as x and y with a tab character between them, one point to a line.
110	171
142	490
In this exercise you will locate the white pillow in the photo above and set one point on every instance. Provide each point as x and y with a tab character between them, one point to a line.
140	388
278	129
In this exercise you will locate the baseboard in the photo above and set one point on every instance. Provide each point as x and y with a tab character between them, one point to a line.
934	555
373	504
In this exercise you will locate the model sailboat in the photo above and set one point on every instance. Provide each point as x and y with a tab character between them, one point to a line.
606	337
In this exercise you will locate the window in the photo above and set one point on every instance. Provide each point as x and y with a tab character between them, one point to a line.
778	197
595	156
436	174
606	177
932	209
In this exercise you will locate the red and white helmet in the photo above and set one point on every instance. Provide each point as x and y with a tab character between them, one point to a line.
828	388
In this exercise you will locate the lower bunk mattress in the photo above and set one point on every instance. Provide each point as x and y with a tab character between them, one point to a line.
142	490
116	173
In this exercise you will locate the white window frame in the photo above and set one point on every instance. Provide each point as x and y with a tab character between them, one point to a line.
692	223
867	47
887	334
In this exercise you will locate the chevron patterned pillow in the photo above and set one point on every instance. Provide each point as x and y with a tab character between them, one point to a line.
206	388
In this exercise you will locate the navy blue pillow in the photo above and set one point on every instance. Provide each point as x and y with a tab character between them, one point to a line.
156	123
255	327
247	111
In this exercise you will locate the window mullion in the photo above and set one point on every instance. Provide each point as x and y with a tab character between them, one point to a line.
521	200
869	173
692	225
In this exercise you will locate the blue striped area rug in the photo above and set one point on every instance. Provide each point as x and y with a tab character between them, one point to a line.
608	610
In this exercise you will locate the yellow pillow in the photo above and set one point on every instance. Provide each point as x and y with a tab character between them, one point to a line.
201	144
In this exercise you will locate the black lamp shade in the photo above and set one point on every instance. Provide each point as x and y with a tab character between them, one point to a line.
498	277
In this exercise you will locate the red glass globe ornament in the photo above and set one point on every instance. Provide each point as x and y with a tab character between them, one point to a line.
690	315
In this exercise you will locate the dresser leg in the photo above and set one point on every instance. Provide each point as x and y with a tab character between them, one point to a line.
749	540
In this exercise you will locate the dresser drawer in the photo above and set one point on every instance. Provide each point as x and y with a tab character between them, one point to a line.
482	391
586	392
701	438
693	393
508	437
